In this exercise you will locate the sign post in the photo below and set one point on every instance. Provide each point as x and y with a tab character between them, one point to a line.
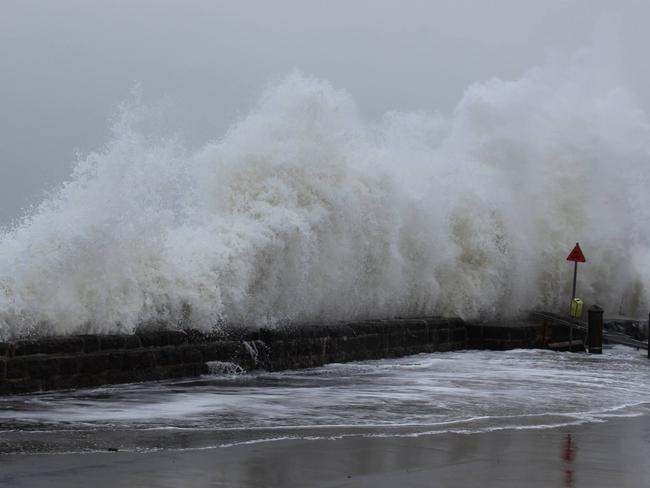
576	256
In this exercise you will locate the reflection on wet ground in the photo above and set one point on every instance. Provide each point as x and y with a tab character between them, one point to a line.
568	455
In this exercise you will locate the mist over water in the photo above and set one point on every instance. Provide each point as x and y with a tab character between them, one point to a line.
305	211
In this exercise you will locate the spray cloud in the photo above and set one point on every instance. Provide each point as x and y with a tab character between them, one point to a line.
304	211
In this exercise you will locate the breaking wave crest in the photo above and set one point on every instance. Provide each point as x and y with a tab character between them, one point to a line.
305	211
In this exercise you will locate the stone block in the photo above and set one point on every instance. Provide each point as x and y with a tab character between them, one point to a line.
339	330
496	344
354	346
17	387
276	356
61	345
443	336
455	323
392	327
60	382
524	333
42	367
365	328
26	348
474	332
334	345
416	336
458	335
196	369
117	341
320	346
70	365
433	336
183	370
152	338
302	362
111	342
290	349
312	346
115	376
89	380
397	338
303	346
316	331
307	331
493	332
91	343
116	359
335	357
172	355
137	359
16	368
268	335
131	342
416	327
272	335
191	354
200	337
161	338
220	351
520	344
90	364
372	342
437	322
46	345
209	352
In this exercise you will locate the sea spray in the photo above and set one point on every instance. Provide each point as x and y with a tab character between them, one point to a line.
303	211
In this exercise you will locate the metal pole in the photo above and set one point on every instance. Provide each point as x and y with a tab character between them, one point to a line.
648	333
575	279
573	295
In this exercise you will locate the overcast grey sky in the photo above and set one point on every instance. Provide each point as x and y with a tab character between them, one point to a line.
66	64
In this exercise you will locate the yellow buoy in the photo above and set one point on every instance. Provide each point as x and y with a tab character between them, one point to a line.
576	308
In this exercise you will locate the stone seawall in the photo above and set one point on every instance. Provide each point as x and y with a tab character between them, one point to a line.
52	363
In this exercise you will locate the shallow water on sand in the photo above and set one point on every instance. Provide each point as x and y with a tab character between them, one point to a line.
468	391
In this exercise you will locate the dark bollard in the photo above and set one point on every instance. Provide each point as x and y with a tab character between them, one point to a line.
595	332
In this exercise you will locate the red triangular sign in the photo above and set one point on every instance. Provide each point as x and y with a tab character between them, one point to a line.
576	255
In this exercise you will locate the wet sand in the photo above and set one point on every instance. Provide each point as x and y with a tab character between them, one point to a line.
613	453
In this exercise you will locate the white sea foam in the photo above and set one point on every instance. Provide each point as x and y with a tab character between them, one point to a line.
224	368
304	211
461	392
